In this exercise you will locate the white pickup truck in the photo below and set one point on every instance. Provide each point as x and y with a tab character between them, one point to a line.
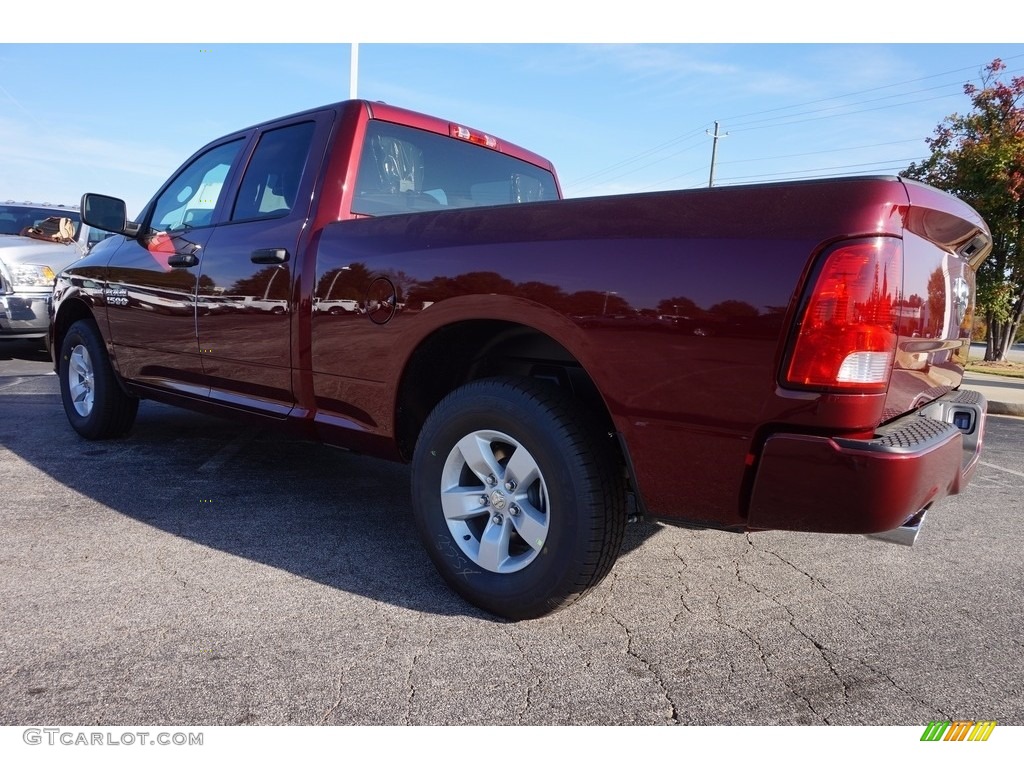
33	250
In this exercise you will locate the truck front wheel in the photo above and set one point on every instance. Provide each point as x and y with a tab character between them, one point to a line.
517	496
93	401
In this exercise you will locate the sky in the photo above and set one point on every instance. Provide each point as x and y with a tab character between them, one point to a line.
614	114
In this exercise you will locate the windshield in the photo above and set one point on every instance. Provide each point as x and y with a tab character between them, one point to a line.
15	219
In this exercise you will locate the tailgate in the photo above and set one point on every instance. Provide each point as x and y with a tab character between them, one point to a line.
944	241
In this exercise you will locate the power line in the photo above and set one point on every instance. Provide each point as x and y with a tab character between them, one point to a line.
819	152
787	174
839	114
974	68
701	167
895	170
659	161
645	153
780	124
801	173
784	120
857	103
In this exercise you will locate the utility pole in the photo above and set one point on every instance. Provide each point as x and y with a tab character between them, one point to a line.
604	310
714	151
353	69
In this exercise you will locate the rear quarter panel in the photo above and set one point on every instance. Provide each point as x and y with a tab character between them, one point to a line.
676	304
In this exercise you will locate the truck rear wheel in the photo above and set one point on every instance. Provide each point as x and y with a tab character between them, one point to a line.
94	403
518	498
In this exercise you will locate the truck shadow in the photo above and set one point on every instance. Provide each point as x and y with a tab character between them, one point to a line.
31	351
320	513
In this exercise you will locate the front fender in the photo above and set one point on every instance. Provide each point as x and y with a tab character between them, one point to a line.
76	297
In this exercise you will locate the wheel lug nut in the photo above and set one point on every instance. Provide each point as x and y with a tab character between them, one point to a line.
497	519
514	510
510	485
484	501
492	480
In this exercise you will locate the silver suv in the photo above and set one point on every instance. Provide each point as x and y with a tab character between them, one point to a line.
32	252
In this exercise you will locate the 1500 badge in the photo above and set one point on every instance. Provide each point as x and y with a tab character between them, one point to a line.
117	297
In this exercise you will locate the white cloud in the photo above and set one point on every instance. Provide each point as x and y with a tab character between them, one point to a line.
58	165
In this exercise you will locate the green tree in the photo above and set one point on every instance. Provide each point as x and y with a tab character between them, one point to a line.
979	157
679	306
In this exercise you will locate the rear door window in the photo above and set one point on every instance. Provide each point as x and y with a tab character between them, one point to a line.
271	182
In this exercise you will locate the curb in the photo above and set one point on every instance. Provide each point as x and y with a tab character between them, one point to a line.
996	408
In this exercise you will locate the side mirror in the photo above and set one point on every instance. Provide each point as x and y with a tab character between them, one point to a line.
107	213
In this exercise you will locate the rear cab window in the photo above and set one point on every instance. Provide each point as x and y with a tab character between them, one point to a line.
404	170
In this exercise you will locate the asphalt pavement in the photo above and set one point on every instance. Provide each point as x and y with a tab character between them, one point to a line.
200	572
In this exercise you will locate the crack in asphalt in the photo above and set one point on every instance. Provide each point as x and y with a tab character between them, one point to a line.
331	710
529	686
684	584
604	609
823	648
928	705
720	619
792	619
408	677
814	580
755	642
651	668
173	575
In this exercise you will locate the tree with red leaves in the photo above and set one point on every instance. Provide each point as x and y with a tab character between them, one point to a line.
979	157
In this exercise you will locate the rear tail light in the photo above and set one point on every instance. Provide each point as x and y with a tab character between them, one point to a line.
846	340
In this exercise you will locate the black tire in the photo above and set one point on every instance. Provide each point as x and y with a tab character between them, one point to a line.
572	505
94	402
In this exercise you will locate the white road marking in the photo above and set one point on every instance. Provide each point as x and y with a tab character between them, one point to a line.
1002	469
221	457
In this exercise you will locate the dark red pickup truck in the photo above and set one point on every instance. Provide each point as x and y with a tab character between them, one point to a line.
783	356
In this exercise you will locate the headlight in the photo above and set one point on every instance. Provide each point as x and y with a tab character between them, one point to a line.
32	275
